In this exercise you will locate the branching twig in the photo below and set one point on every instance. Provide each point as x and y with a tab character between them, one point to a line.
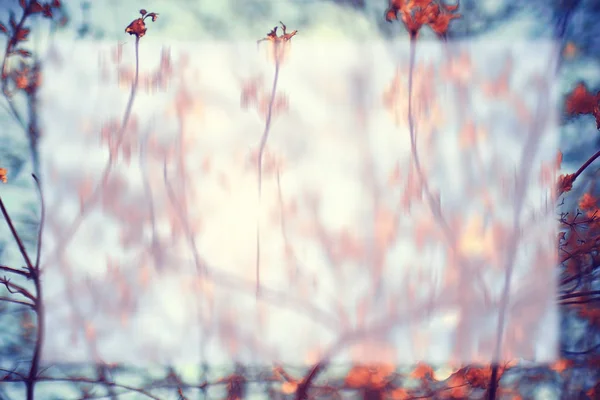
36	297
13	288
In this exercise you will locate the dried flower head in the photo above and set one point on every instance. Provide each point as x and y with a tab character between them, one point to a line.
138	27
278	44
582	101
565	183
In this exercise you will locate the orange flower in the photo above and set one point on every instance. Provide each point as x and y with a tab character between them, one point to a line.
414	21
278	44
561	365
581	101
374	376
588	202
478	378
3	177
422	371
391	14
21	80
416	13
441	23
138	27
565	183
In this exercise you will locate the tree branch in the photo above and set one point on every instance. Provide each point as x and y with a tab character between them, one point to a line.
16	237
13	288
23	303
15	271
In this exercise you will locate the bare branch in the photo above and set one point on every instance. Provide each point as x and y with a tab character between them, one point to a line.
23	303
15	271
41	227
13	288
16	236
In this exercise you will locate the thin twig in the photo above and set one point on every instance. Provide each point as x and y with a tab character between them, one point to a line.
15	271
23	303
41	227
16	237
585	165
39	304
13	288
579	294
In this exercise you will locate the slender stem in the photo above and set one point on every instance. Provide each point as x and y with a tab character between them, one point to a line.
585	165
33	132
39	341
41	227
38	304
17	238
579	294
132	93
265	135
72	229
261	151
